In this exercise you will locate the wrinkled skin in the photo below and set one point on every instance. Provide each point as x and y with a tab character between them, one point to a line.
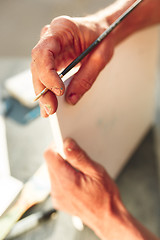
81	176
60	43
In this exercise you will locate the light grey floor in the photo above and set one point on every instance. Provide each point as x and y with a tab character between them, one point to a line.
20	24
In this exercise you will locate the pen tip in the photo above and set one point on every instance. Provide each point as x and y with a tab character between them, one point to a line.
36	98
40	94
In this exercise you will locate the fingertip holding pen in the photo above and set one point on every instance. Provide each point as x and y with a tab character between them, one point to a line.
56	90
40	94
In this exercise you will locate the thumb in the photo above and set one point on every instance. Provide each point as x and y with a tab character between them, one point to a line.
78	158
57	165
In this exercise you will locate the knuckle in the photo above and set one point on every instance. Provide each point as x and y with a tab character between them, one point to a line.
44	29
41	48
48	152
35	52
39	51
65	24
61	19
98	171
85	84
32	67
100	60
80	156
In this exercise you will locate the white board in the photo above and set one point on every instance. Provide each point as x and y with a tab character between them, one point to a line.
112	117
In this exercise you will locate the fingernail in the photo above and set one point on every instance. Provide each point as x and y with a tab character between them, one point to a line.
43	114
69	149
48	109
70	144
58	91
73	98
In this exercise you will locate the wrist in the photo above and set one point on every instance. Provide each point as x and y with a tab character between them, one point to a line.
144	15
124	28
115	222
107	16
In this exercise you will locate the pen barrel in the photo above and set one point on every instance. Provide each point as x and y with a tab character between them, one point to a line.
79	58
100	38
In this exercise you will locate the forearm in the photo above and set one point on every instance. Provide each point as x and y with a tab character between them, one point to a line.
147	13
121	225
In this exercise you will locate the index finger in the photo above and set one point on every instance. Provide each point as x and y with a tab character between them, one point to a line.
48	102
43	55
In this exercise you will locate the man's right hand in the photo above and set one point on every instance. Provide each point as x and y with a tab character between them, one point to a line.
61	42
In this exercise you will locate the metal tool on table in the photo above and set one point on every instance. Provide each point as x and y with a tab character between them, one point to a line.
30	222
35	191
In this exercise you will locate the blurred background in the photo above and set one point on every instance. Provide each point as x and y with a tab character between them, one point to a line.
21	21
20	24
